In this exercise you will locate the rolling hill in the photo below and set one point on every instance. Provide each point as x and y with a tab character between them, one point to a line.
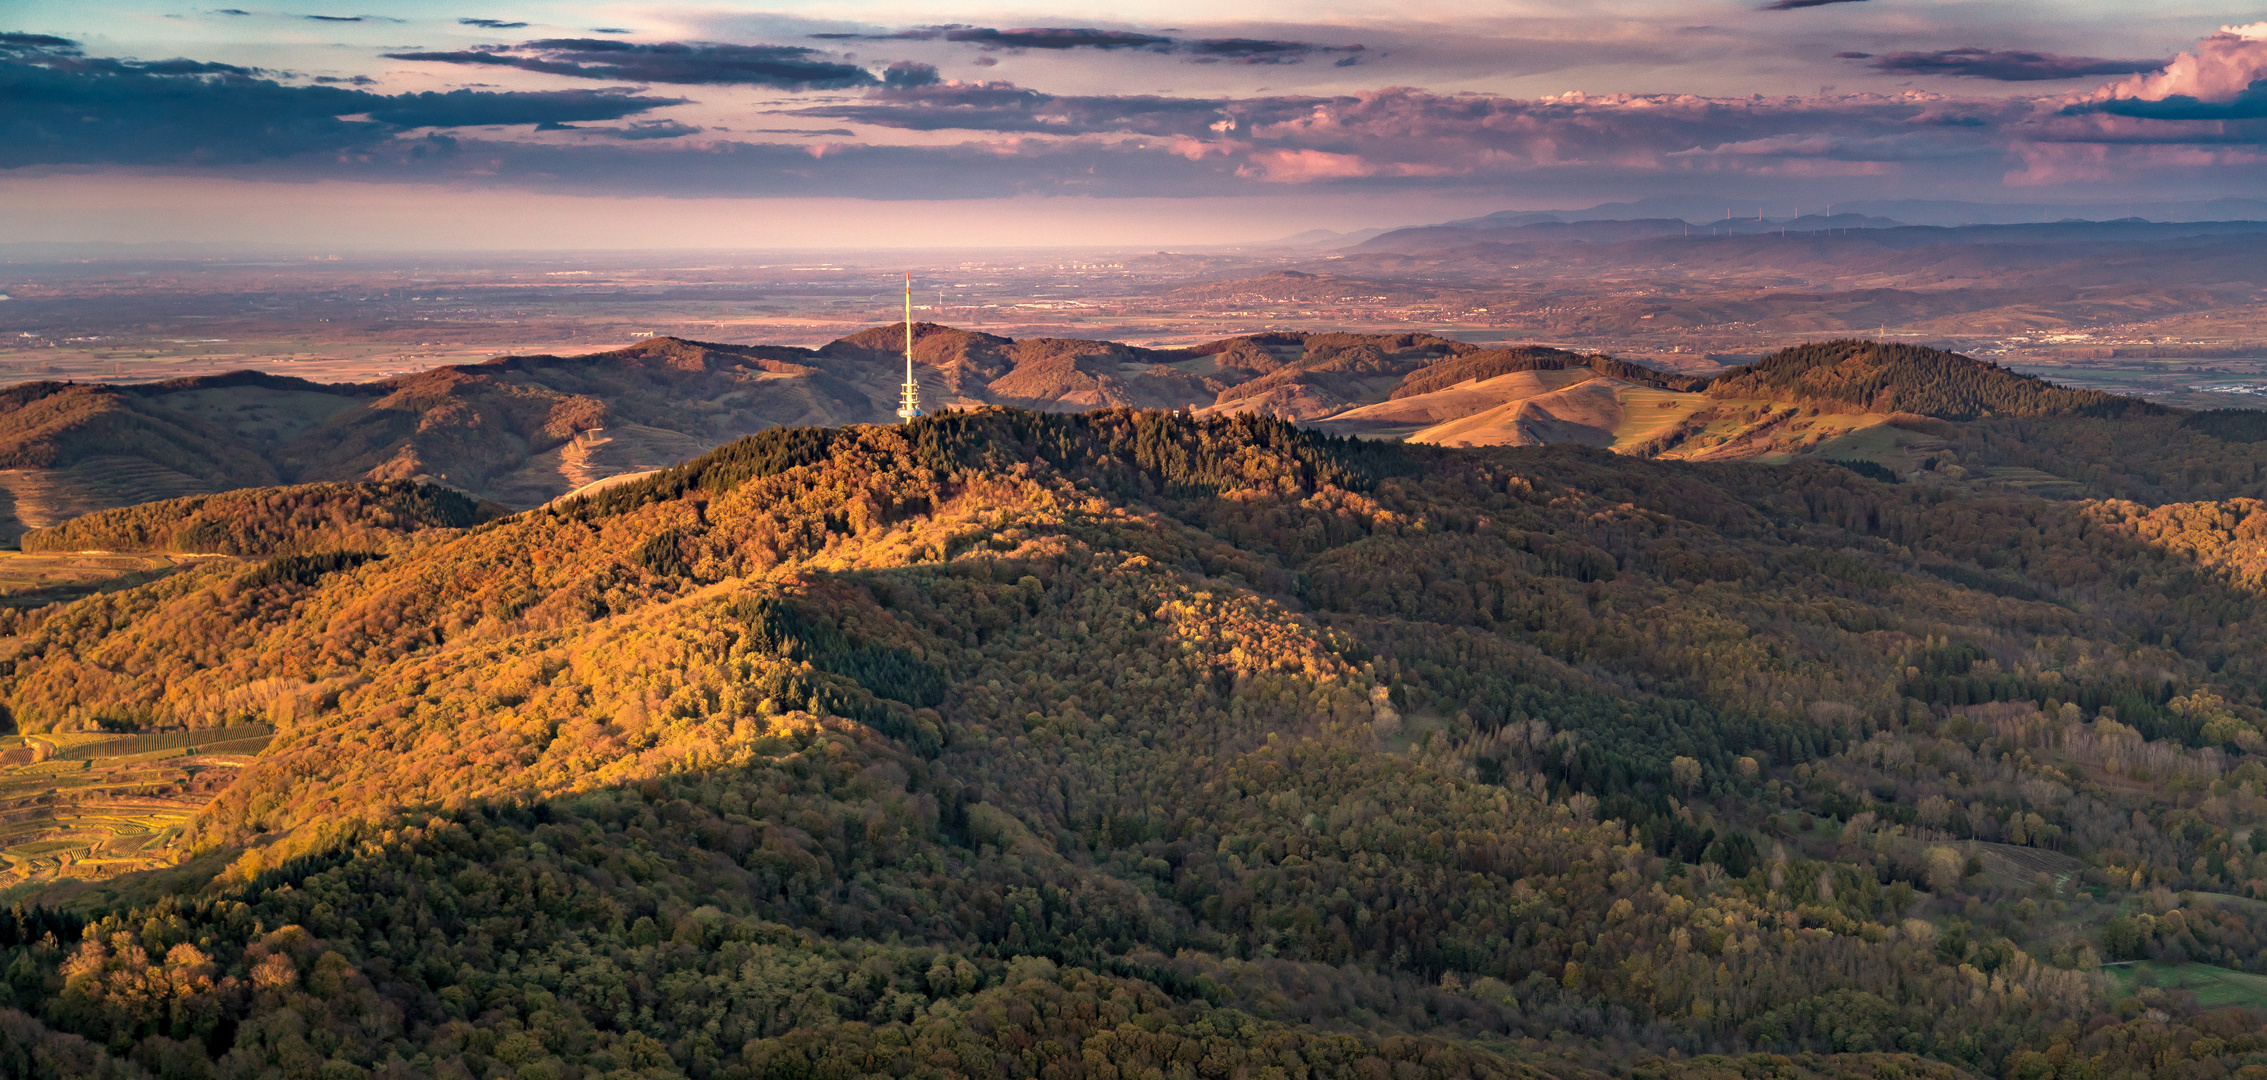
1075	744
1846	400
1598	411
1401	416
520	430
1478	396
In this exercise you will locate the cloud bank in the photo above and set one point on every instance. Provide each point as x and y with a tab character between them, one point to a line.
2003	65
1064	38
784	67
904	131
67	108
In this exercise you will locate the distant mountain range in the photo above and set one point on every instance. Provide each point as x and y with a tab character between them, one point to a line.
1966	282
1751	216
519	431
1523	228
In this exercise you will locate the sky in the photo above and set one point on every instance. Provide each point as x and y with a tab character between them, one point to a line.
507	124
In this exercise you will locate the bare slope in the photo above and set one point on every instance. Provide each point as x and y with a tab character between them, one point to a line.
1590	412
1408	415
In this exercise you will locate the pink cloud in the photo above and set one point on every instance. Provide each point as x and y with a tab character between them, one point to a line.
1304	166
2222	67
1198	149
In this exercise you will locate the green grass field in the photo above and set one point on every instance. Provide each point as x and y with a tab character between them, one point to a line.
2213	986
1647	412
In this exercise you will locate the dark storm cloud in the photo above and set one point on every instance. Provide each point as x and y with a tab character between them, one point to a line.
906	74
332	18
1798	5
784	67
2251	104
231	11
2003	65
479	108
1058	38
43	51
69	109
1029	37
491	24
36	43
1005	107
1259	51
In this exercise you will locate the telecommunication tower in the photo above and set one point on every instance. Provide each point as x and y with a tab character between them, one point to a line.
909	400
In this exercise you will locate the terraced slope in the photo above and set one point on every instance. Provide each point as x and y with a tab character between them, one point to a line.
91	805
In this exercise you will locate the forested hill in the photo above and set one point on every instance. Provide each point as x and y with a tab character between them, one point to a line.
1007	743
1879	377
269	521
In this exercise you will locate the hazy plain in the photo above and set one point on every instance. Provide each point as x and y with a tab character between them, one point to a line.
1687	304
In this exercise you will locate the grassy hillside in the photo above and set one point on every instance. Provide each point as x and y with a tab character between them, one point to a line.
1402	417
1493	362
1310	376
1038	744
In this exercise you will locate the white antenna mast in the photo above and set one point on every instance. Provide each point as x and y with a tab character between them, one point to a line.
909	400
